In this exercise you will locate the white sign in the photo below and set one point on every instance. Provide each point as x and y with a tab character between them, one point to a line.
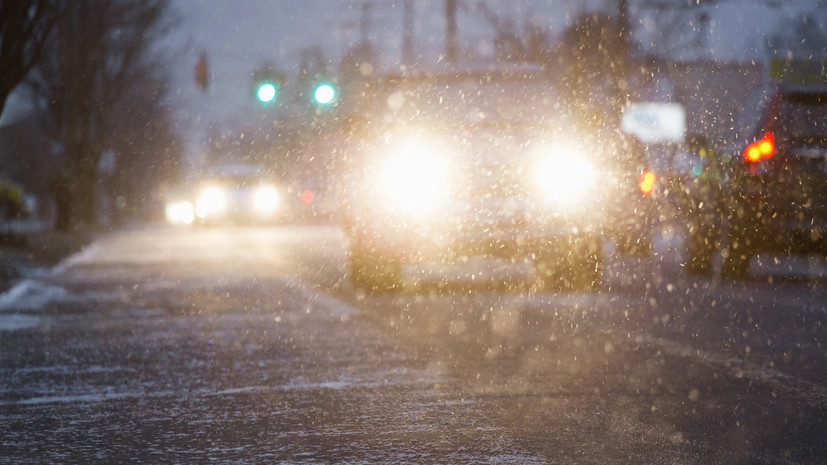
654	122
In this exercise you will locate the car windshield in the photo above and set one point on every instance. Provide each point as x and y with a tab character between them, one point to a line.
750	114
239	181
495	97
413	231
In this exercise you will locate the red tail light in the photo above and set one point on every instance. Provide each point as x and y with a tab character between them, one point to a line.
647	182
307	197
764	148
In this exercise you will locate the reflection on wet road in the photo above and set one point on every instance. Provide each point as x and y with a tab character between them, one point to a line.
250	345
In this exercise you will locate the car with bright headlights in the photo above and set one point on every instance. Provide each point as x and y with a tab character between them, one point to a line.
238	194
489	162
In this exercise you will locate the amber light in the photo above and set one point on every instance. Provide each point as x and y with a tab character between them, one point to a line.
764	148
647	182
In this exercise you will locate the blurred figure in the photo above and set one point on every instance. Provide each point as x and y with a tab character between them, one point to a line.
703	203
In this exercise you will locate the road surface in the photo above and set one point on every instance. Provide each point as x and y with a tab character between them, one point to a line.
249	345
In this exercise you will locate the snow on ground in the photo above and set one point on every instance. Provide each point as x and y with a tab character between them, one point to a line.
30	294
15	321
27	295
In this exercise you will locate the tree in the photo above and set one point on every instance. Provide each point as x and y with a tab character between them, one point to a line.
594	61
25	29
99	82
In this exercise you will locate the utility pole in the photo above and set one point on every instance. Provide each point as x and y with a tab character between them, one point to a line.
364	20
451	30
625	34
407	31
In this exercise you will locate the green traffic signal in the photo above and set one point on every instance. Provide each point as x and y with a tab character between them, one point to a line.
267	83
324	94
266	92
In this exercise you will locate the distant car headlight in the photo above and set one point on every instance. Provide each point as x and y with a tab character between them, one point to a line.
565	176
180	213
266	200
414	181
212	200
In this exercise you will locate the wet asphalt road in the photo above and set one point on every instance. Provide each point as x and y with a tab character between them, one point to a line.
250	346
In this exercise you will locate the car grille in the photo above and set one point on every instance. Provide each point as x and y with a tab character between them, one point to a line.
496	182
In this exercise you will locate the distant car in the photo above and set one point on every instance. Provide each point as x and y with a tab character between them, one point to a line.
179	211
770	190
242	194
486	163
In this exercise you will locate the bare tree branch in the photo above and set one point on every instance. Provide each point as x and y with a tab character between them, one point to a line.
99	77
25	27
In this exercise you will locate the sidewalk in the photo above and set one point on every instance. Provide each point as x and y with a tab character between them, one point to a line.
27	245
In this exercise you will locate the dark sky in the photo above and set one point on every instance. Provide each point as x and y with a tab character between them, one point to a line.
240	35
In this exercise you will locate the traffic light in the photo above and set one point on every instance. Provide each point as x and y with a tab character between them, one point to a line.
324	93
267	92
266	84
201	72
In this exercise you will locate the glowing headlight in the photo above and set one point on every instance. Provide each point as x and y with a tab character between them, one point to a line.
414	181
180	212
266	199
212	200
564	176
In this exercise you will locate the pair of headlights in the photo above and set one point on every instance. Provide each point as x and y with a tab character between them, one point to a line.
180	212
213	201
417	181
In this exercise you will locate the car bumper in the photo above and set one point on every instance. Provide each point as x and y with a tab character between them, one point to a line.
507	229
246	214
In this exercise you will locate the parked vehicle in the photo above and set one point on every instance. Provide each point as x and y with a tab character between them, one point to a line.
772	188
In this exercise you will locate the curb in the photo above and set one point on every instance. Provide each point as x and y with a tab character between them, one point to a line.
20	253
